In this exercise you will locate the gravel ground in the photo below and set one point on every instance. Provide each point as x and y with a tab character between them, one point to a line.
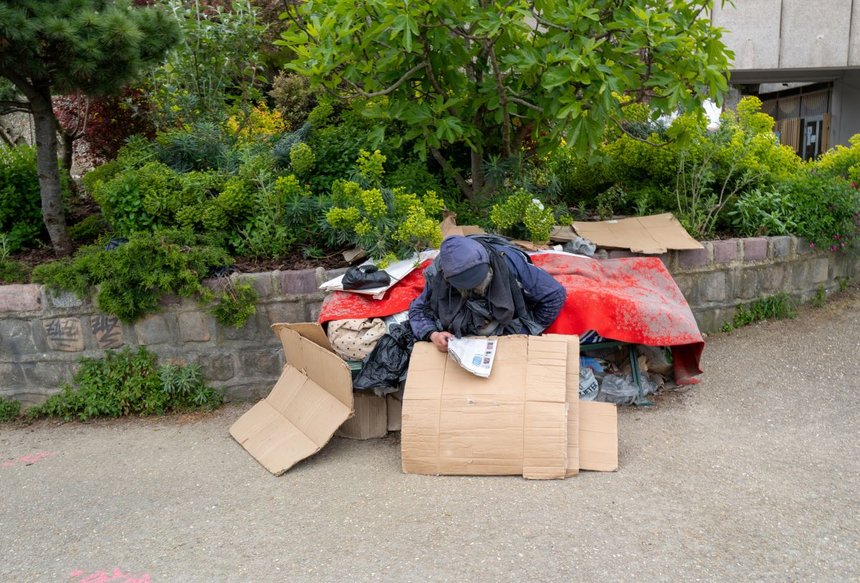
750	475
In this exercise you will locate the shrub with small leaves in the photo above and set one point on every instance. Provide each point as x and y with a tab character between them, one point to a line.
259	123
202	146
20	209
842	161
132	278
9	409
129	383
137	199
302	159
777	307
371	166
522	210
384	222
293	98
11	271
235	305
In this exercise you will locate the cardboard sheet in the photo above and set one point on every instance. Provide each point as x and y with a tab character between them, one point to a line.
653	234
598	436
449	227
514	422
370	418
311	399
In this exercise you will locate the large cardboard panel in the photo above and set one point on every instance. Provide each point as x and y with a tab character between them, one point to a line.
310	400
514	422
653	234
598	436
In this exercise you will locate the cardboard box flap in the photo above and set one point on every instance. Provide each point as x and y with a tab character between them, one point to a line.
653	234
450	228
310	330
310	400
514	422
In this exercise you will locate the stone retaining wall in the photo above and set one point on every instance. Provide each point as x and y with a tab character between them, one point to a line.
43	335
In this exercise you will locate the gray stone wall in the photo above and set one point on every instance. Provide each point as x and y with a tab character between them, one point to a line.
43	336
790	34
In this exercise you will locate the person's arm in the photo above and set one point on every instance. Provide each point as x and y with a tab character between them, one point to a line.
423	322
543	294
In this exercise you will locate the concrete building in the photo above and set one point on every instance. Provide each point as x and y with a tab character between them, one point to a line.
802	58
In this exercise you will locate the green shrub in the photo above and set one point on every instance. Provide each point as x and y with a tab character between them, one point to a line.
826	210
202	146
293	98
138	199
286	215
20	199
522	209
778	307
387	223
88	229
13	272
216	66
820	297
302	159
414	177
9	409
236	305
766	211
132	278
338	141
841	161
129	383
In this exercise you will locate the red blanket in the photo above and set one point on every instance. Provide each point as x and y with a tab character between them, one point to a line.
632	300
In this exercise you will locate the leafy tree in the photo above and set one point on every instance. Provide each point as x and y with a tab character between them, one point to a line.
503	78
67	46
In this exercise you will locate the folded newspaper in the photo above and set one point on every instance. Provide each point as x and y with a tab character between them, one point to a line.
473	354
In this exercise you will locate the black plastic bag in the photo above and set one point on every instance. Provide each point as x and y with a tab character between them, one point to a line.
385	368
365	277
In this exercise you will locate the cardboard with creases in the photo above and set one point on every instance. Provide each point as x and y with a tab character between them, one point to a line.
514	422
310	400
653	234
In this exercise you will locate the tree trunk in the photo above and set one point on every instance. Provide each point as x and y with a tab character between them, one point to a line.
49	172
68	153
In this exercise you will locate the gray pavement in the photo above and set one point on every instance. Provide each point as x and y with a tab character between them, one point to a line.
752	475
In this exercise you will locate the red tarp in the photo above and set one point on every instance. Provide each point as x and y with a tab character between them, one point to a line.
632	300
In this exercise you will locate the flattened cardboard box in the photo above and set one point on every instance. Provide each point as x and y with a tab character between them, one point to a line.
524	419
311	399
653	234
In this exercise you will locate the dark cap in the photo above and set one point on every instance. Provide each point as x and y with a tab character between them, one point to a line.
464	262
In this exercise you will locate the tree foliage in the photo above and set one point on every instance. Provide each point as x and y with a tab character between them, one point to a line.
67	46
499	77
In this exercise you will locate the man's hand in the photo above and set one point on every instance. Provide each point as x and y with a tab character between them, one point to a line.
440	339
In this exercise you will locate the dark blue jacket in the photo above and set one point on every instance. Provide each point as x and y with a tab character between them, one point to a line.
543	295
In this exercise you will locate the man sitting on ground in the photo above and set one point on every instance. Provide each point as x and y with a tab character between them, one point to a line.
482	286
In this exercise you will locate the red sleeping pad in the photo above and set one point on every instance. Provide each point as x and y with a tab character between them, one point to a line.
632	300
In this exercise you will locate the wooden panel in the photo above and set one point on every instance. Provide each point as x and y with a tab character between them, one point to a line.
825	132
789	133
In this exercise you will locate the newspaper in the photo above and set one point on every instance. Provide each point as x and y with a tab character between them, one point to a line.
474	354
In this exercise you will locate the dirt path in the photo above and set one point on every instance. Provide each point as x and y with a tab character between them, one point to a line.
751	475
